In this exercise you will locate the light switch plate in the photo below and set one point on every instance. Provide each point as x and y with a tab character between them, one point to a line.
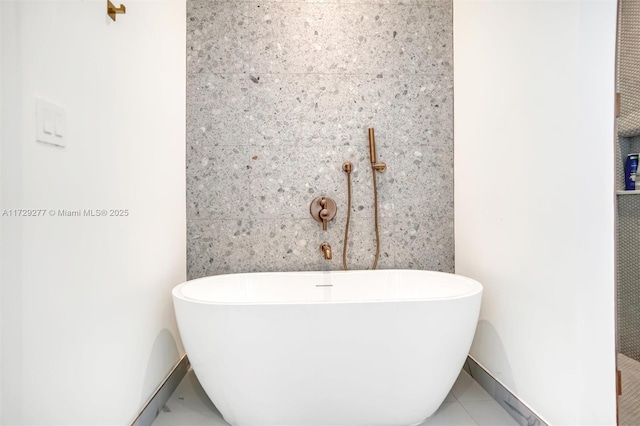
51	123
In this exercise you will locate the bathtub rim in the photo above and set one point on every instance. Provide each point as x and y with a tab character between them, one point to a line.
177	293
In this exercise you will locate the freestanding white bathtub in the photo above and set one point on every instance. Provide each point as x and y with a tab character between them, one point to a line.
356	348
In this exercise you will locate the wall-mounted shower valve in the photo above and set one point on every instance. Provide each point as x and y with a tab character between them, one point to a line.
323	209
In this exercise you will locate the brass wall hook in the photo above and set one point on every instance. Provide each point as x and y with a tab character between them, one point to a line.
112	10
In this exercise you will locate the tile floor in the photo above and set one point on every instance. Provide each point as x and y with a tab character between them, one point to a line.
466	405
629	402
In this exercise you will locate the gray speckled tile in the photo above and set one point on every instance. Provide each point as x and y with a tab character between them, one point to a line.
195	152
219	247
218	183
218	109
319	38
361	244
334	235
316	109
400	2
422	38
362	201
217	36
312	109
285	245
285	91
412	109
426	244
309	109
285	179
423	184
300	38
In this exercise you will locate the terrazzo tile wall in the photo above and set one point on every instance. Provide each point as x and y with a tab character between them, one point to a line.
280	94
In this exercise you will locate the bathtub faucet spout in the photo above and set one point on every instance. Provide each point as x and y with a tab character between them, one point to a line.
325	248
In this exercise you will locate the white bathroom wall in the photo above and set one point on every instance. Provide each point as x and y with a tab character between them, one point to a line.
10	243
534	197
88	330
1	204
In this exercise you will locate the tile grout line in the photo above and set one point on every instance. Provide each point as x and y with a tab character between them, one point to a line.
469	414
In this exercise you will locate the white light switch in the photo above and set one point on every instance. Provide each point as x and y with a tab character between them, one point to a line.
58	123
51	122
47	126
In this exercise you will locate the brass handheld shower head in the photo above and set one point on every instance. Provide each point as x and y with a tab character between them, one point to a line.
378	167
372	146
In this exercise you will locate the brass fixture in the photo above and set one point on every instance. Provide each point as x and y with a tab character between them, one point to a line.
112	10
618	382
375	168
347	167
378	167
325	248
323	209
372	146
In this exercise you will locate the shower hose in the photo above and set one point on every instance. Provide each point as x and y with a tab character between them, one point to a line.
347	167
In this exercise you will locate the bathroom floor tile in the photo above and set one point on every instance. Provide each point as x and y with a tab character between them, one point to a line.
630	399
450	414
488	413
186	418
466	389
450	398
189	405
